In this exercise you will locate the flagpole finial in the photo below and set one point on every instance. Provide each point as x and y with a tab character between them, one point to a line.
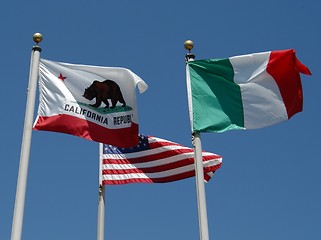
189	45
37	38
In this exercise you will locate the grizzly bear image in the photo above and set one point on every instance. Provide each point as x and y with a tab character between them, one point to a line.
103	91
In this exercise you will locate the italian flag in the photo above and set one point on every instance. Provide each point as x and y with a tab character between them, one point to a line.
244	92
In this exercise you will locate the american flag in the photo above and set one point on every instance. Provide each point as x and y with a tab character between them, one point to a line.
153	160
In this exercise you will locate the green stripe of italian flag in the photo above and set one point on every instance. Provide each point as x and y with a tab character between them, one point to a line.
244	92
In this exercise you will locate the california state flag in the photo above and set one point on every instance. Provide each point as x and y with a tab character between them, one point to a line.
95	103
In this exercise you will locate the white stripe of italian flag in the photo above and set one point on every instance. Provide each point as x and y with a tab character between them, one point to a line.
244	92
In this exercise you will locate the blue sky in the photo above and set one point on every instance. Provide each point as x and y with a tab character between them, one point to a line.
269	186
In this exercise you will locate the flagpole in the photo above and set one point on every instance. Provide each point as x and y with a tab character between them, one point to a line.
198	161
26	141
101	200
200	187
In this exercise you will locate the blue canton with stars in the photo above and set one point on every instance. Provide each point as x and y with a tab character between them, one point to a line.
142	145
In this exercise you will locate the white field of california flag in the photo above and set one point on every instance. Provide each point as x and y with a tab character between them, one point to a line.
244	92
95	103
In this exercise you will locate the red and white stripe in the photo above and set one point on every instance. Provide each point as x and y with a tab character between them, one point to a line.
165	161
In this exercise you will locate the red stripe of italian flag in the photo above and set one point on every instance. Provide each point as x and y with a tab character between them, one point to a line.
245	92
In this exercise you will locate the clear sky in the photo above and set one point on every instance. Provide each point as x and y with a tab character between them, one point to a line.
269	186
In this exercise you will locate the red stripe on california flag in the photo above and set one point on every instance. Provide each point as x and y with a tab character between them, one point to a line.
124	137
285	69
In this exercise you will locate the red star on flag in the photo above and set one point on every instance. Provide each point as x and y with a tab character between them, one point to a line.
62	78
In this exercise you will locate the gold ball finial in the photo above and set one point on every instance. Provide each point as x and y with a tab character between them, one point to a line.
189	45
37	38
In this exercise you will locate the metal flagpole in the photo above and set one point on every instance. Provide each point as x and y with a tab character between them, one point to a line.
199	172
101	199
26	141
